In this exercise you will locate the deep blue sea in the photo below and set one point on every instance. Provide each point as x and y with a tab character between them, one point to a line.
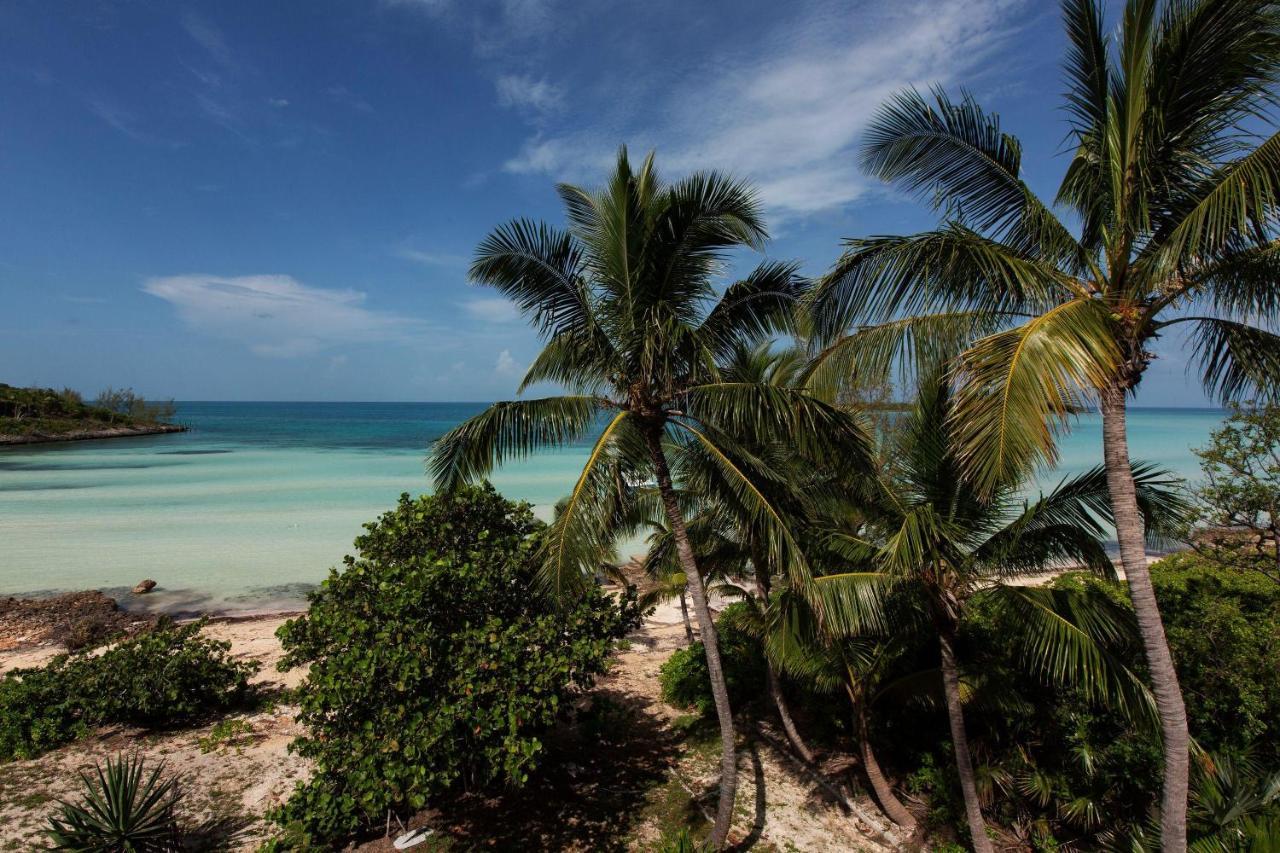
251	508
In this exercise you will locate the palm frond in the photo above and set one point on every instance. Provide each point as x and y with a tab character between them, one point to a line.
539	268
956	155
1019	387
762	304
586	526
762	413
953	268
508	430
1070	637
741	480
876	355
1236	360
1228	202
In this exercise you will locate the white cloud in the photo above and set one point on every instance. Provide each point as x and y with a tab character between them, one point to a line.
506	364
345	96
491	310
276	315
790	118
431	259
523	92
209	37
278	103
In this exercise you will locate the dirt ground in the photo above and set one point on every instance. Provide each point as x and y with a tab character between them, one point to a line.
629	769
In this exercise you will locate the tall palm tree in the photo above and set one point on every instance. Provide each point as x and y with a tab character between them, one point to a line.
634	328
1174	182
932	533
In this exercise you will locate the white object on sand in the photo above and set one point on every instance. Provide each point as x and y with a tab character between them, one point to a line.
413	838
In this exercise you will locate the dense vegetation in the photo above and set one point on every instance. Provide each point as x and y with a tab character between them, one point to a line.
436	662
166	677
46	412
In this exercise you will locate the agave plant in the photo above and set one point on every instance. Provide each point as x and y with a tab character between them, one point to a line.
124	810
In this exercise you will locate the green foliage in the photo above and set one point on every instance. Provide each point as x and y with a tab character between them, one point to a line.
228	732
436	662
27	411
680	841
125	403
1240	492
123	810
686	682
169	676
1224	631
1052	758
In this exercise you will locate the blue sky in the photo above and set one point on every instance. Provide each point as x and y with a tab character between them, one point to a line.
249	200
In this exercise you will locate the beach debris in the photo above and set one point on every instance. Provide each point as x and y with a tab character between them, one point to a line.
412	838
144	587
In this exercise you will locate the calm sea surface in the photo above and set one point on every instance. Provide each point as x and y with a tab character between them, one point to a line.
251	507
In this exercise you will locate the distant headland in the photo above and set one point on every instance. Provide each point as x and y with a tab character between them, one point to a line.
36	415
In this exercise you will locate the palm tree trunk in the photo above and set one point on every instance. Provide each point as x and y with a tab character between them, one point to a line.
784	714
1164	678
960	740
719	689
770	674
684	614
892	806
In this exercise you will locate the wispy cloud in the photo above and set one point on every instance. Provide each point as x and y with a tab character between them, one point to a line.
790	117
125	122
522	92
276	315
491	310
506	365
209	37
431	259
348	98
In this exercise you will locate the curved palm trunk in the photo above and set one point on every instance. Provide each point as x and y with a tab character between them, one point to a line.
684	614
1164	678
960	740
771	675
719	690
889	801
784	714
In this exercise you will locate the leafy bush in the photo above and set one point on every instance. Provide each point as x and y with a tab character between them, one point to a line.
436	661
686	683
1224	631
169	676
121	811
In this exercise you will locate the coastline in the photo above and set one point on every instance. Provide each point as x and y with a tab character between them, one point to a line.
7	439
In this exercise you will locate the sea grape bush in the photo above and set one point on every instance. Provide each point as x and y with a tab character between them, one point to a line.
169	676
436	661
684	679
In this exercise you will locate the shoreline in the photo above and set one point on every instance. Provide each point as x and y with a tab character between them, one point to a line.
8	440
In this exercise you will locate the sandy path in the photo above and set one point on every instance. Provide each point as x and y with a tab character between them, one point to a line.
781	805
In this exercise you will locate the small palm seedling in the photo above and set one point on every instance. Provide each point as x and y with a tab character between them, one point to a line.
124	810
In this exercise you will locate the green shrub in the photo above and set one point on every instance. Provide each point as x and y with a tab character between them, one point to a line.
167	677
435	661
686	683
122	810
1223	626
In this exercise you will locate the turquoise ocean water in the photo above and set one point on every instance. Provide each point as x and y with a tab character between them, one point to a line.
251	507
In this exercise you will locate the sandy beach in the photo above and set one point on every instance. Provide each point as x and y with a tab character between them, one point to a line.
230	785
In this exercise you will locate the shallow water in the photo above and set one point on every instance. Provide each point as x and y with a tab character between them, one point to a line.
251	507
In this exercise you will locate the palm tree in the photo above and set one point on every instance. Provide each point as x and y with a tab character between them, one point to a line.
931	533
1174	182
797	642
634	329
